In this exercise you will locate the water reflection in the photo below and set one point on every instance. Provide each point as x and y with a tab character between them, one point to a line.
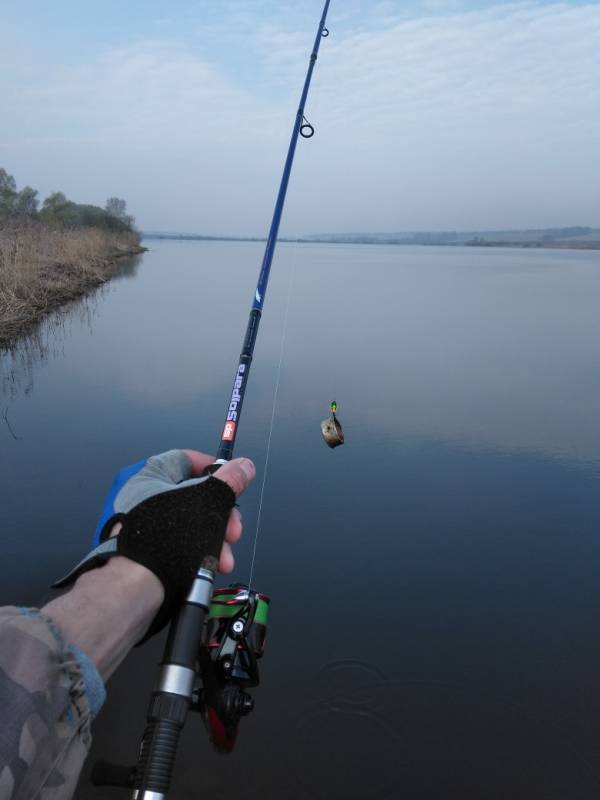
434	625
477	349
46	340
455	347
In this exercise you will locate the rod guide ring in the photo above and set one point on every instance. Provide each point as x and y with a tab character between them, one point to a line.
307	131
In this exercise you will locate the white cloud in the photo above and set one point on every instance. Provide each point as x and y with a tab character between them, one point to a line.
475	119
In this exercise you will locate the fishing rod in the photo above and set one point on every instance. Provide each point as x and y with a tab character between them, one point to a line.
214	640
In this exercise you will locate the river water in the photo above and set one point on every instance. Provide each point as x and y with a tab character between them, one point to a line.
435	583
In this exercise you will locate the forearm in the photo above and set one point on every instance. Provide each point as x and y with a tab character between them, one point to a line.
107	611
47	706
49	692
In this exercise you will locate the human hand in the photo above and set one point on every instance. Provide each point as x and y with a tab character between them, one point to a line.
174	470
163	515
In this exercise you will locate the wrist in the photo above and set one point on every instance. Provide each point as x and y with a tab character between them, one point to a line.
128	580
108	610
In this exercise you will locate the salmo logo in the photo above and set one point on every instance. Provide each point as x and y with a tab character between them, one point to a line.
236	397
228	432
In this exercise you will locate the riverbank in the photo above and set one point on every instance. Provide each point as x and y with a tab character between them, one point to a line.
42	267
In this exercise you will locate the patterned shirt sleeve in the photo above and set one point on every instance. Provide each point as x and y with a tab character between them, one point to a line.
45	708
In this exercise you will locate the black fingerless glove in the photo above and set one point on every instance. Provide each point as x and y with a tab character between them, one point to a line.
170	533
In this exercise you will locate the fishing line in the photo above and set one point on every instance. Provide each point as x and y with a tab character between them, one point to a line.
274	408
210	656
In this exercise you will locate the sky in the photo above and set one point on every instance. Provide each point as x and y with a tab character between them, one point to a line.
429	114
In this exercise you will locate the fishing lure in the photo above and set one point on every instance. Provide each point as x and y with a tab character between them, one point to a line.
331	428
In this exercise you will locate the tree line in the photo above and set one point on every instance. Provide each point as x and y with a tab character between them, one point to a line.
24	204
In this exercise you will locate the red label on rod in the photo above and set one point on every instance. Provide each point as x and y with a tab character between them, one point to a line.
228	432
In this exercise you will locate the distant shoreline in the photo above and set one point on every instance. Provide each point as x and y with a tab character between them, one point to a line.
545	240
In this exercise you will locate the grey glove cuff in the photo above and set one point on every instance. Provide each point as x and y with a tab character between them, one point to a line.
95	558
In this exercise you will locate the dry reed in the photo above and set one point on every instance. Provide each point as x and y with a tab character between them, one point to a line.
42	267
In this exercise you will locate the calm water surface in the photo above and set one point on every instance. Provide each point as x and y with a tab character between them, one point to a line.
435	627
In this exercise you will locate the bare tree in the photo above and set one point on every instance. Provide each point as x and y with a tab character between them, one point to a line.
116	207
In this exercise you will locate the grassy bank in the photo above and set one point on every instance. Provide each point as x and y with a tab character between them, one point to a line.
44	266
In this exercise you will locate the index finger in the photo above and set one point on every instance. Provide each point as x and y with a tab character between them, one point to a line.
237	473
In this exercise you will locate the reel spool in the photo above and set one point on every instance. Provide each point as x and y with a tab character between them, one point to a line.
234	640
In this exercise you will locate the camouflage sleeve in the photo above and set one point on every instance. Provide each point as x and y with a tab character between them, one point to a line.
45	709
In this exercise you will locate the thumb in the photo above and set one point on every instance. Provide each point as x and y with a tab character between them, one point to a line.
237	474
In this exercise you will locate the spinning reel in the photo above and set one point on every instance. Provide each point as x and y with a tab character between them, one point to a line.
233	640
